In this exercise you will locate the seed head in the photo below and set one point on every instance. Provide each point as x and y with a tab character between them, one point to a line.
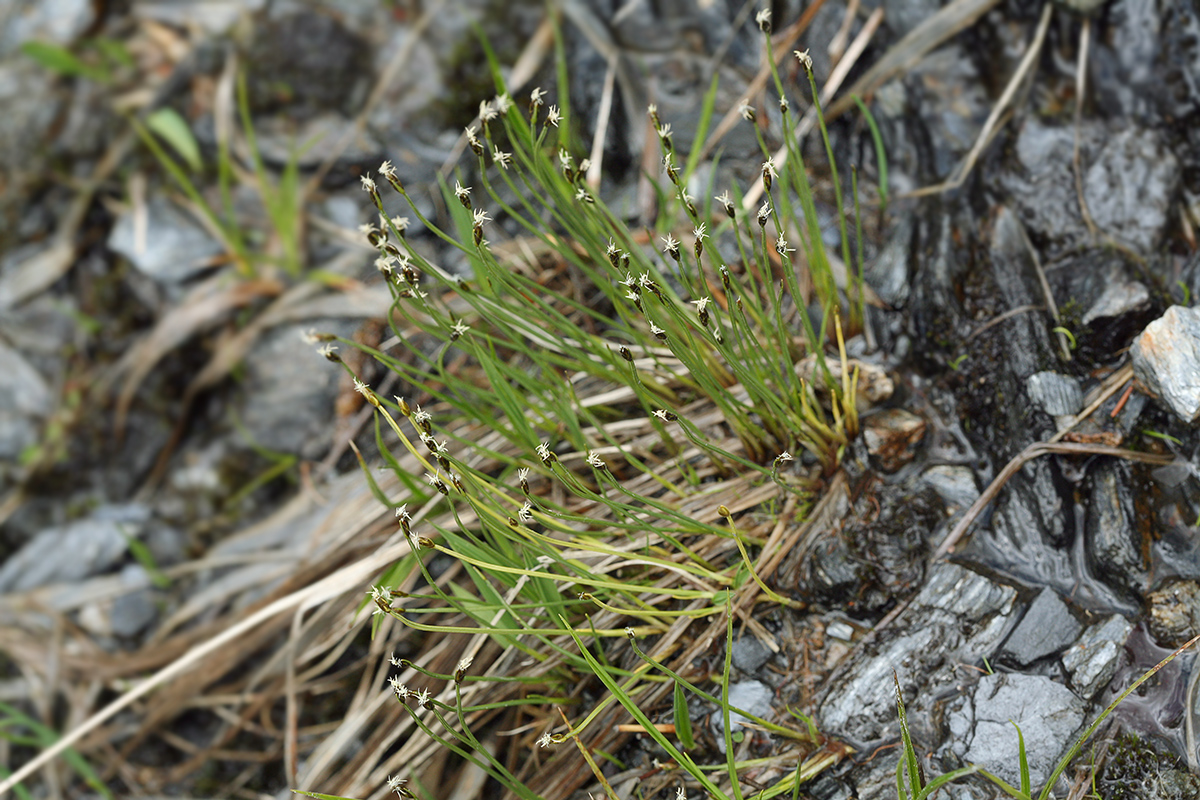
702	309
613	253
545	453
804	58
658	332
763	18
463	193
329	352
726	203
781	246
764	213
768	174
473	140
664	135
671	246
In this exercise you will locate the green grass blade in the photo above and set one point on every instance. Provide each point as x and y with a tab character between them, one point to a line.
174	130
1022	760
880	153
683	722
706	115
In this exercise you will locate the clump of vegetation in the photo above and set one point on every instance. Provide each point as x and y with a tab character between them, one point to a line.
599	418
1136	771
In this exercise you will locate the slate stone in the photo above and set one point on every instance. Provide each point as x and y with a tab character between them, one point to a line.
1047	627
1166	359
1092	661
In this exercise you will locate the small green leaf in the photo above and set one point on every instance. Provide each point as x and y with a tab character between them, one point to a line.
1022	760
1067	334
174	130
56	59
683	723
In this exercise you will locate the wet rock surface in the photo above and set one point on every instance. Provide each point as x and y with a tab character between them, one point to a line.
959	615
1092	661
1047	627
981	724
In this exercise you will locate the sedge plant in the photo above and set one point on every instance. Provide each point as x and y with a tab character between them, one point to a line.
608	429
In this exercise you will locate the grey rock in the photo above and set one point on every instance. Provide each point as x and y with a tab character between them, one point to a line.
981	725
955	485
891	436
1174	611
211	16
1114	548
1056	394
307	62
1027	339
309	141
31	104
888	272
958	616
25	400
752	696
1042	191
904	15
74	551
1131	186
1046	628
134	610
283	371
749	653
1166	359
171	248
57	22
1092	661
1120	296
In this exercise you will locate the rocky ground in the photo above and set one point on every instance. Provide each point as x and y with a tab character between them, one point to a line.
174	453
